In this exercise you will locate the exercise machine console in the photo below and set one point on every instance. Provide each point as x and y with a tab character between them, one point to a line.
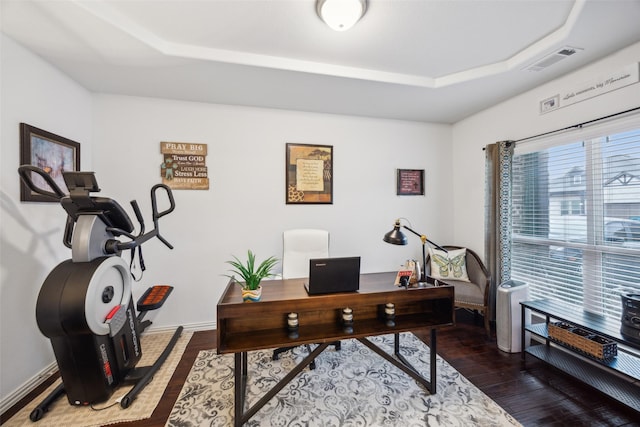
85	305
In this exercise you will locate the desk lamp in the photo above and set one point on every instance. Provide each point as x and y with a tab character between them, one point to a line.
397	237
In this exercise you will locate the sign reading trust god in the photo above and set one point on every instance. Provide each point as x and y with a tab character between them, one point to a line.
184	165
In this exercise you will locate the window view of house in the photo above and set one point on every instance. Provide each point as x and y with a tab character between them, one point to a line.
576	221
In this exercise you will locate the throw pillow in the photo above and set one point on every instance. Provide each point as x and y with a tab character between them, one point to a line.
449	265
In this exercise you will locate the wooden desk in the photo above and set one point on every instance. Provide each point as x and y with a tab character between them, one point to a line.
243	327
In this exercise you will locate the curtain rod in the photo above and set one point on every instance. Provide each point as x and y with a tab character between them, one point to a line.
579	125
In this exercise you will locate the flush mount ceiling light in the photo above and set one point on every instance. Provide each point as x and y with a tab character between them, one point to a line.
340	15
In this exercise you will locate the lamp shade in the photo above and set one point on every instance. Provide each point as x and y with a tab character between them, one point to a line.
340	15
395	236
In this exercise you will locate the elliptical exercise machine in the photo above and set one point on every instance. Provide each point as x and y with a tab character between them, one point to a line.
85	305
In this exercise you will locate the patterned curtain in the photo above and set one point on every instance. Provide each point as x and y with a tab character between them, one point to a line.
498	215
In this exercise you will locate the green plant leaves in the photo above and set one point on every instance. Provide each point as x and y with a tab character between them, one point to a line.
251	276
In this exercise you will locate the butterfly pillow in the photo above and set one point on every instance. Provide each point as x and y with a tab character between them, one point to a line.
451	265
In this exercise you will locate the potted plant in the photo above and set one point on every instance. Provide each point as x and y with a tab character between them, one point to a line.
251	289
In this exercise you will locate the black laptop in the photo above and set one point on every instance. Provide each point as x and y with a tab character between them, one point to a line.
331	275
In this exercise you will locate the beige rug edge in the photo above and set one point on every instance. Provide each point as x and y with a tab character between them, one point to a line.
61	413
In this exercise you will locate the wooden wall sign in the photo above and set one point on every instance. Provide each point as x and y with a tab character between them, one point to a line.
184	166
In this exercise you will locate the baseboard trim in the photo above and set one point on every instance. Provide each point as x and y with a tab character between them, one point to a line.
8	401
11	399
192	327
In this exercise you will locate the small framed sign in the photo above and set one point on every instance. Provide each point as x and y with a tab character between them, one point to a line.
410	182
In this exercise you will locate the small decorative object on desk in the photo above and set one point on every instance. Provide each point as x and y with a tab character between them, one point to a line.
252	275
292	325
390	314
403	277
432	281
252	295
347	319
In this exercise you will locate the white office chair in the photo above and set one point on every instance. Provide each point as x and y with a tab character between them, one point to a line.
298	247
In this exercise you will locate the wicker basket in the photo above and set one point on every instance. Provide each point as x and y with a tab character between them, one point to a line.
585	342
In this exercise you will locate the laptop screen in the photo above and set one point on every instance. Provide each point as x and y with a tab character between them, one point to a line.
330	275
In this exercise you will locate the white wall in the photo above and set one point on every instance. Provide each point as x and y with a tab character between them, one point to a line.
35	93
245	206
519	118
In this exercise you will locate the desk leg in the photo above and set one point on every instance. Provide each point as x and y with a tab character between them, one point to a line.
403	364
432	353
240	378
240	381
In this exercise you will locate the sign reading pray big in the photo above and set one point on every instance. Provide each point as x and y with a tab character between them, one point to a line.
184	165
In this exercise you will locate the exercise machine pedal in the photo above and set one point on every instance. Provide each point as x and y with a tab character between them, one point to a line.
154	297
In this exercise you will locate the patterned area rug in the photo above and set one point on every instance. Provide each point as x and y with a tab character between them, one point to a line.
350	387
61	413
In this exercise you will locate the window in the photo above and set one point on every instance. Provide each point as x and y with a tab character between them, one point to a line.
576	218
571	207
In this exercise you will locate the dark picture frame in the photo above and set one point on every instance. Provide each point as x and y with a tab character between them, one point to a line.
52	153
410	182
309	174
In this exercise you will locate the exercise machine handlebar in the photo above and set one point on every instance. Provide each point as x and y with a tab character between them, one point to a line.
25	174
114	246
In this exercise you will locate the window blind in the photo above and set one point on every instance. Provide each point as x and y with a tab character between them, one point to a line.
576	216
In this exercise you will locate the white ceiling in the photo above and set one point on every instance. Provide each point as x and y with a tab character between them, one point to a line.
424	60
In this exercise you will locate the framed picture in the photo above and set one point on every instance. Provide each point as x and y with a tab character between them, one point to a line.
410	182
309	174
50	152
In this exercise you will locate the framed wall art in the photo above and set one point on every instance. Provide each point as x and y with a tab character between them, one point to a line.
50	152
410	182
309	174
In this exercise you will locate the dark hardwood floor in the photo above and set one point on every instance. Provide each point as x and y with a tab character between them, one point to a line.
535	394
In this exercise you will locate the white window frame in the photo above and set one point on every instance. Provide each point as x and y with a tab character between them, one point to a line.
592	287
